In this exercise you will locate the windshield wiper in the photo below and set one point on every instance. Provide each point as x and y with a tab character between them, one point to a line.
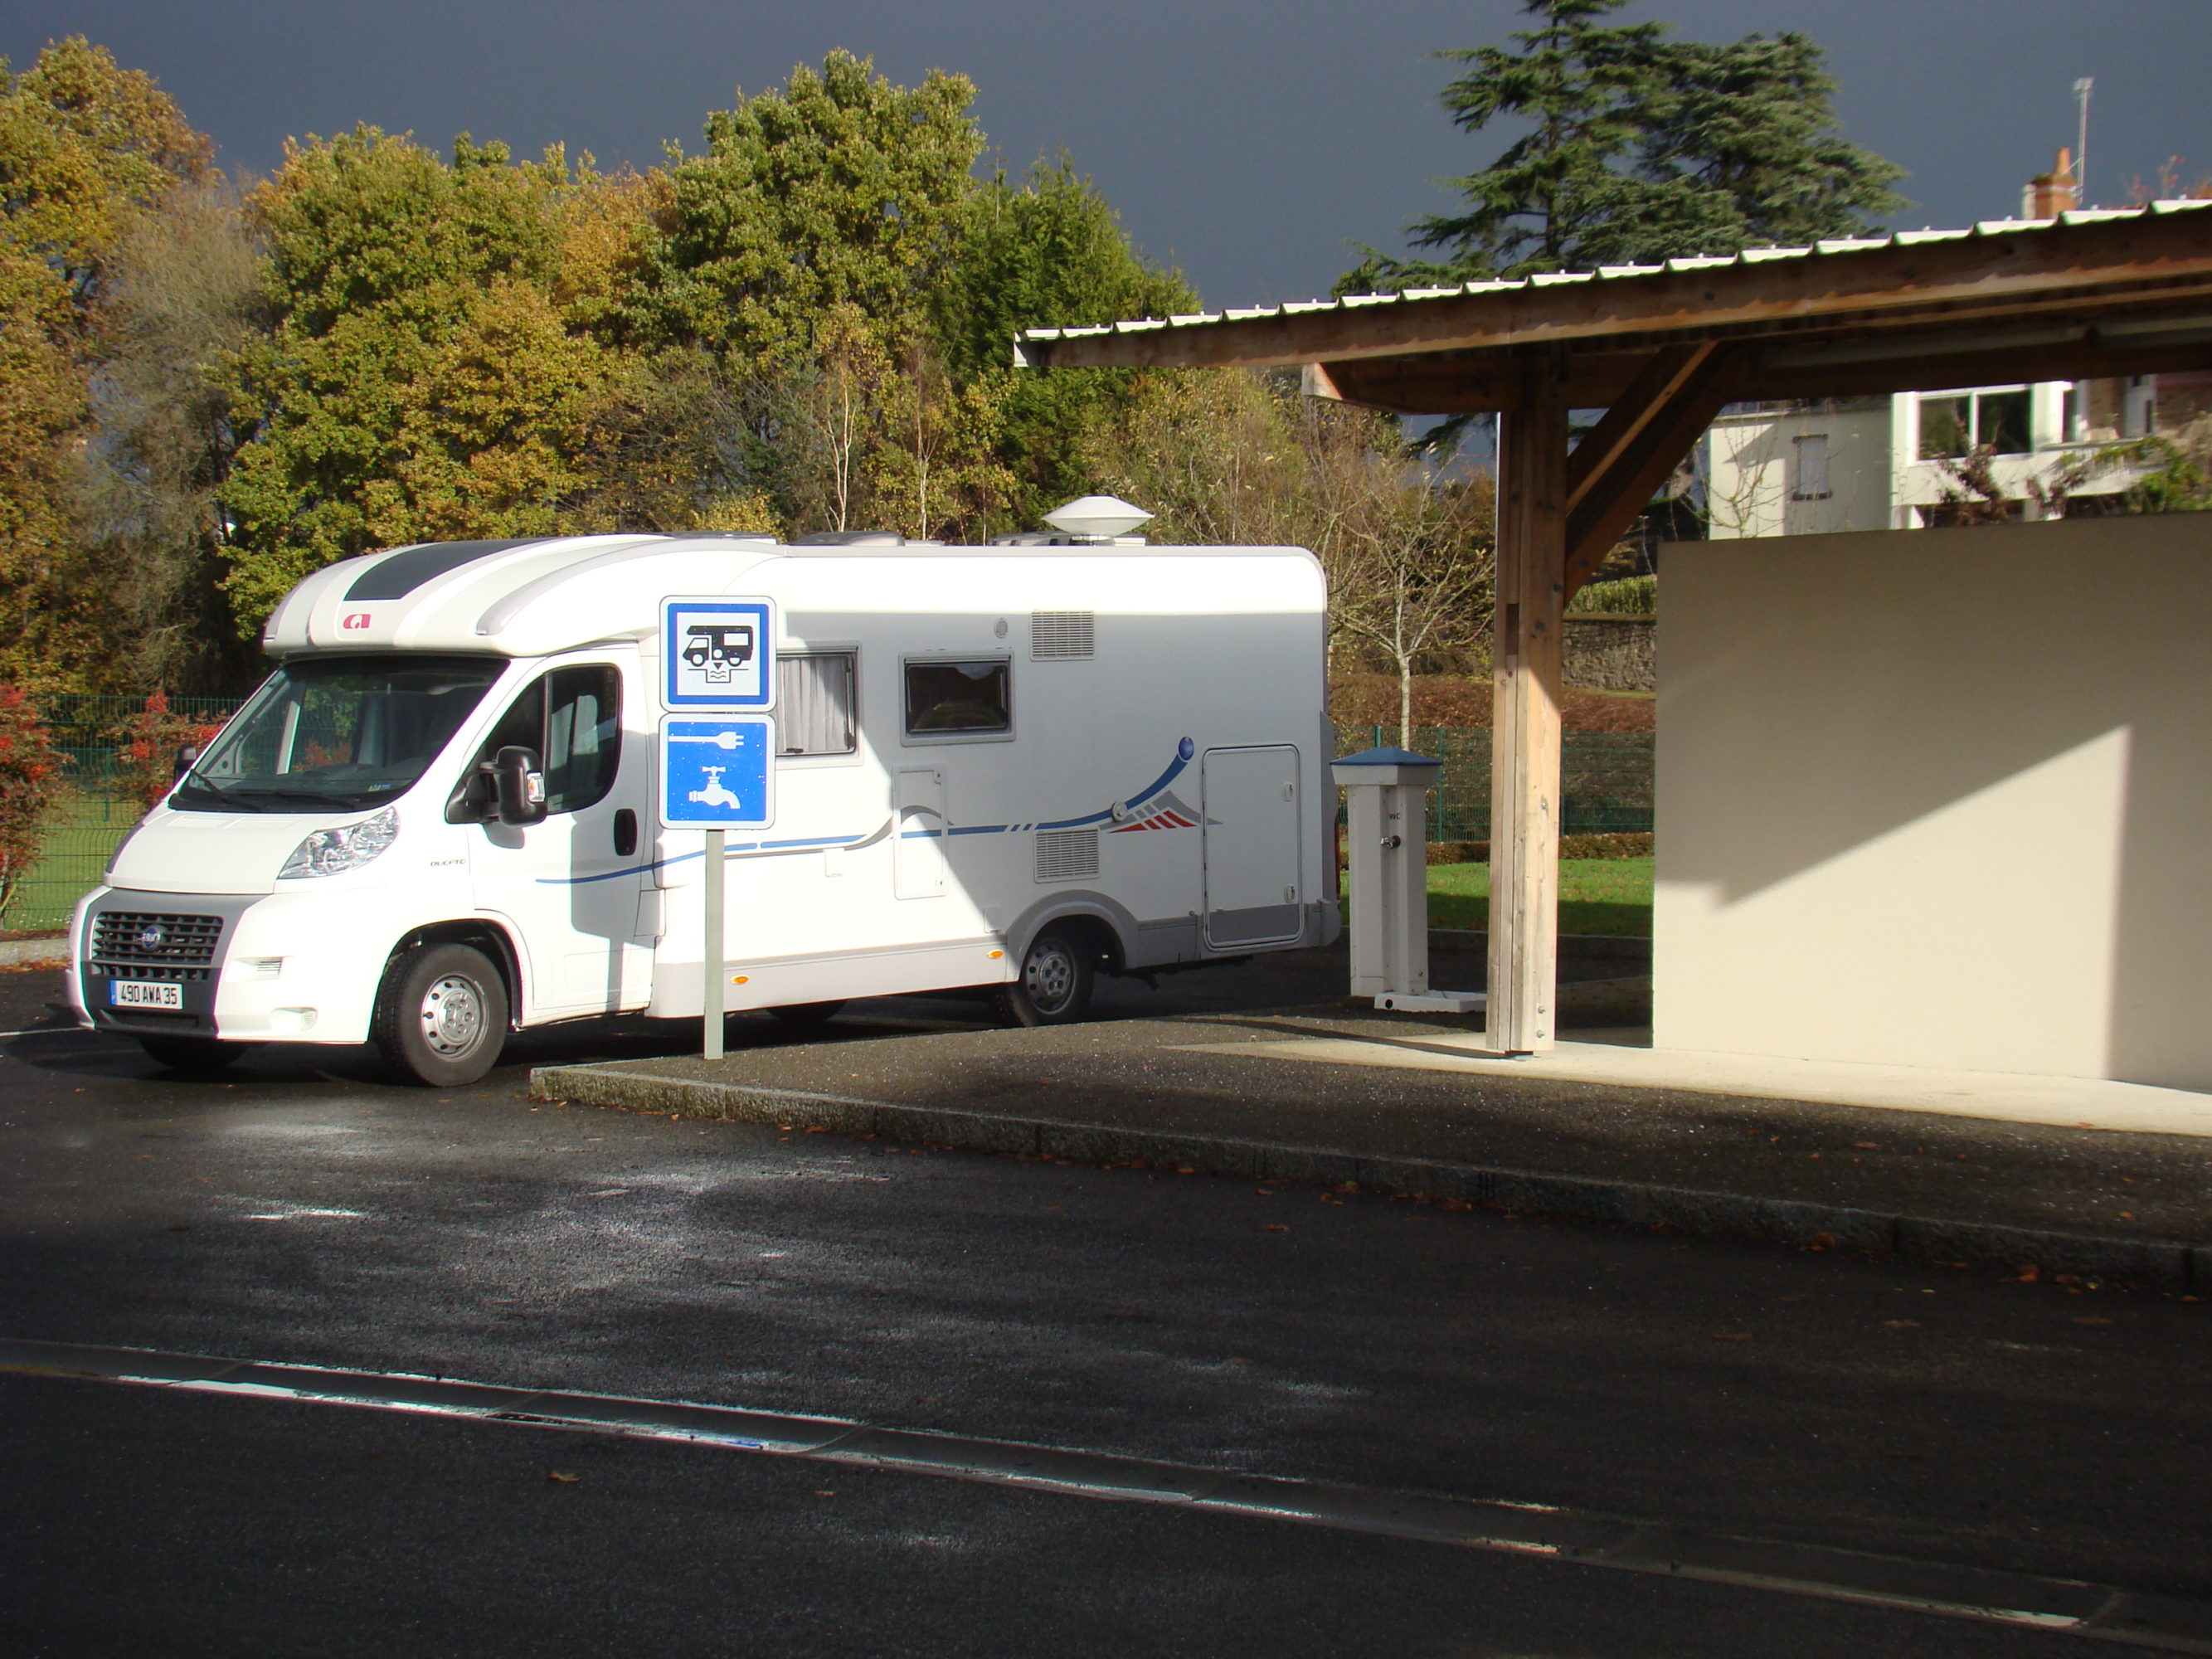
345	803
198	788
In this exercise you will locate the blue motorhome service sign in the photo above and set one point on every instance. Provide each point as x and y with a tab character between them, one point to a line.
718	654
717	772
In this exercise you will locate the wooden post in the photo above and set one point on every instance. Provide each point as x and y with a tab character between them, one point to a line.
1524	735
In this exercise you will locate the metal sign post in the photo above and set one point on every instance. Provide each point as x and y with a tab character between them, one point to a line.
711	1004
717	771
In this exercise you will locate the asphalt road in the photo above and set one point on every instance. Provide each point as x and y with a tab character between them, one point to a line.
306	1212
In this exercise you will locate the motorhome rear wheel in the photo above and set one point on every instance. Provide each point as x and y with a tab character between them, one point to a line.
441	1017
1055	983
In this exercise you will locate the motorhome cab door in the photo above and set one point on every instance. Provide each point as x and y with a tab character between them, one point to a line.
570	885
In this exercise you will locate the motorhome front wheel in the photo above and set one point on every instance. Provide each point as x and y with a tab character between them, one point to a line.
441	1017
1055	986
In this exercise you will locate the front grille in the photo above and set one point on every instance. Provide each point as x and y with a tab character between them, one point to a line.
154	945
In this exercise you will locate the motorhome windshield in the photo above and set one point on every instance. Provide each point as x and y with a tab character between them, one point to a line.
336	733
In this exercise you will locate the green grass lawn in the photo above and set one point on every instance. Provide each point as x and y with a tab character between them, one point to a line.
1596	896
81	837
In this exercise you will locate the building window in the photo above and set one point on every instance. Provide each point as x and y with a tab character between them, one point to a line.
2001	422
1954	423
948	699
1812	469
1947	426
814	703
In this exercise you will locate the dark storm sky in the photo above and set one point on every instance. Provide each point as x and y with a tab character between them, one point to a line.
1246	142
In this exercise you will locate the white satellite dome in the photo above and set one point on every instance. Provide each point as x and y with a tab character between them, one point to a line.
1097	517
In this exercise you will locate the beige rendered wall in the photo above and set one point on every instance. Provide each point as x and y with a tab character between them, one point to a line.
1941	797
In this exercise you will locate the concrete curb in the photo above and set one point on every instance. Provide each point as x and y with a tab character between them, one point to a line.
13	952
2166	1264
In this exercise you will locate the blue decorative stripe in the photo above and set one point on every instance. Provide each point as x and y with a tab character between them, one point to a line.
768	848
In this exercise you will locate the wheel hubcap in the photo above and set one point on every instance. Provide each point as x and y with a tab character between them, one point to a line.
1049	976
452	1016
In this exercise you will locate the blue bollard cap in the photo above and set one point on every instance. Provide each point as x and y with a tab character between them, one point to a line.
1388	757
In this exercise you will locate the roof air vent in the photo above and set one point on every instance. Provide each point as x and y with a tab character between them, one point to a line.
856	539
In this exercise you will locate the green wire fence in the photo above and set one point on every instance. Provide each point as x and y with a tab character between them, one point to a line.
1609	776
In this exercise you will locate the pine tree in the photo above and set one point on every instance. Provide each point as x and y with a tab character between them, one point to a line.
1640	149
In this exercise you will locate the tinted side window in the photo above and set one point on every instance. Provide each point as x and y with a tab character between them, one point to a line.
583	735
573	718
947	699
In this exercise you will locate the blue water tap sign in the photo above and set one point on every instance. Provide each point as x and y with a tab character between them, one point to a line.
716	771
718	654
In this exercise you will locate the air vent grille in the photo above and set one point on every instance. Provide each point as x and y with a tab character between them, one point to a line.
1066	855
1062	636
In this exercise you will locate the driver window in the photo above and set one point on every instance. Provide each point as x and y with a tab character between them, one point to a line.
573	718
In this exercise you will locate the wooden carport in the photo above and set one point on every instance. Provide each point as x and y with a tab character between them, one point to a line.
1661	349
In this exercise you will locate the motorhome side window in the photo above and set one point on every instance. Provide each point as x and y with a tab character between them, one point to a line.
573	718
949	699
814	703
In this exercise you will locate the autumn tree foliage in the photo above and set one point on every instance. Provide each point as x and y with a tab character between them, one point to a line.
86	148
30	787
147	744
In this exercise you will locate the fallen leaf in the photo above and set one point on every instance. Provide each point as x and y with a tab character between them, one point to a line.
562	1476
2127	1215
1902	1324
1276	1227
1868	1145
1264	1192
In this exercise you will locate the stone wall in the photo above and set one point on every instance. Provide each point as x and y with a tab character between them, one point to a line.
1612	653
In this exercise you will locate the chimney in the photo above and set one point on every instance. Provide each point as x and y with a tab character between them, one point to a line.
2050	194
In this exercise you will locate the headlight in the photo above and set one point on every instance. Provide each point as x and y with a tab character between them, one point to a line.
334	852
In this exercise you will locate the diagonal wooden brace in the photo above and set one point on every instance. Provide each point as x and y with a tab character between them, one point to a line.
1628	454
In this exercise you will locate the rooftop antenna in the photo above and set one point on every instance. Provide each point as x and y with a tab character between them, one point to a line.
2081	151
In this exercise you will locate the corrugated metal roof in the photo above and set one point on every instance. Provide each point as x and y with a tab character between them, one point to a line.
1843	247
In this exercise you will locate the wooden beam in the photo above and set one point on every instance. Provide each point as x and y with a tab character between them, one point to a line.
2117	264
1766	378
1524	726
1632	452
1449	384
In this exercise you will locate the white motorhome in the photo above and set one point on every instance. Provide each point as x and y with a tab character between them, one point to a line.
1012	766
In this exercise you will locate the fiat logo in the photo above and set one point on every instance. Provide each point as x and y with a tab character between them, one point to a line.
150	937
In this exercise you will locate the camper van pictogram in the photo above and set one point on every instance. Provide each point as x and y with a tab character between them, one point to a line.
718	647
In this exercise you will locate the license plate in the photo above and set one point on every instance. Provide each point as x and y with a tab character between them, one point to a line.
140	994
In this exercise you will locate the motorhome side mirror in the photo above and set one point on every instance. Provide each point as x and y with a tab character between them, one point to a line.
185	755
521	785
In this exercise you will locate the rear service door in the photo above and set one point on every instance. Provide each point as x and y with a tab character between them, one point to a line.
571	885
1251	810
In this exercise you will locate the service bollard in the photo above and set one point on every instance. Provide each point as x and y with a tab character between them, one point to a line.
1385	794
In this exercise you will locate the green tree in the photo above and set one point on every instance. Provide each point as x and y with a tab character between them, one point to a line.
182	297
436	356
1047	251
838	188
1640	149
